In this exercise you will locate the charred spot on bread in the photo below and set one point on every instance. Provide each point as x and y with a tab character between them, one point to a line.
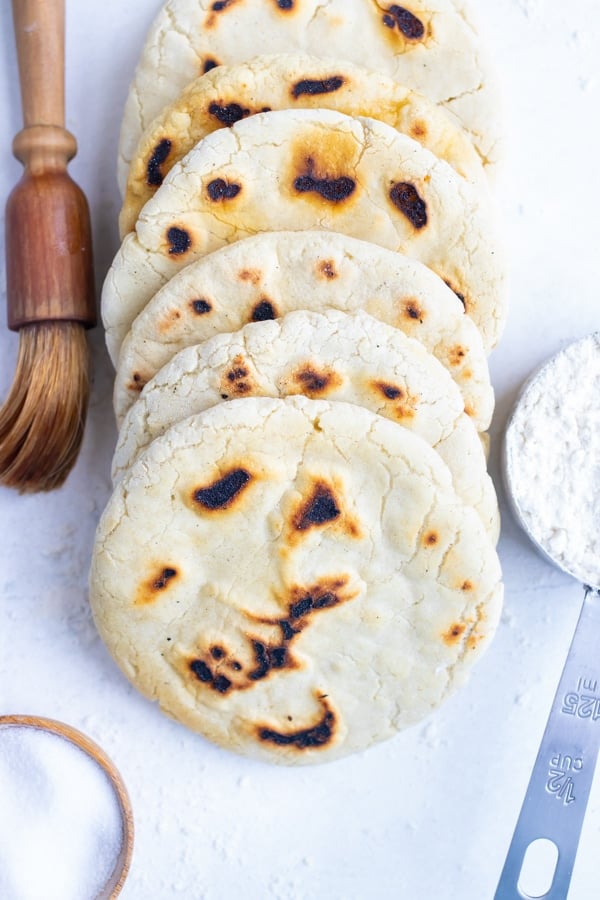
320	506
236	373
456	355
412	310
167	574
149	590
313	381
405	404
318	509
201	670
179	241
236	378
222	493
318	734
454	633
326	268
406	198
315	86
405	21
137	383
267	658
263	311
334	190
219	189
227	113
216	7
218	682
200	306
322	166
390	391
273	652
154	175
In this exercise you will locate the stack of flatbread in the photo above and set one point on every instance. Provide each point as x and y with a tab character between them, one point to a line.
298	559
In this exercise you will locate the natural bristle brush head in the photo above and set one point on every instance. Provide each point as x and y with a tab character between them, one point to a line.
43	417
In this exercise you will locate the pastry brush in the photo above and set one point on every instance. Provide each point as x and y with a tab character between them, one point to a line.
49	278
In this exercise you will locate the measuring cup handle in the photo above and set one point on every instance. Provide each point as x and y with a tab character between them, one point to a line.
556	798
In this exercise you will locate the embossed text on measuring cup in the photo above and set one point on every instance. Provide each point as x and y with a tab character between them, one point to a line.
562	774
584	701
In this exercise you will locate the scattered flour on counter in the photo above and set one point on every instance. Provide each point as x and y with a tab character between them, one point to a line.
530	8
553	458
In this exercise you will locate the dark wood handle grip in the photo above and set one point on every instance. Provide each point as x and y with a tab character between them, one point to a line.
49	274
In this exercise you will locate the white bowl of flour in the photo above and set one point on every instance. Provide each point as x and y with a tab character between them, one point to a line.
552	459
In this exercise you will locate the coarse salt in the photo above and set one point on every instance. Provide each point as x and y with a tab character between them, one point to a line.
61	829
553	459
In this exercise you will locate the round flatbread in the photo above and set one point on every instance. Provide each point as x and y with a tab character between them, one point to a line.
331	356
271	274
295	579
430	46
226	94
304	168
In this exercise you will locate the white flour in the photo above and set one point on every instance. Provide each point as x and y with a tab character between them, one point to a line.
553	458
60	821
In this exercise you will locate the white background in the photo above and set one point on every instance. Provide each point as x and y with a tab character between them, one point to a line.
429	814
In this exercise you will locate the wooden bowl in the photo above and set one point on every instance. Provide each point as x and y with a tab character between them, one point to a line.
115	883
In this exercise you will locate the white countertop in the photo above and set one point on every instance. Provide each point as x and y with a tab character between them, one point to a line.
429	814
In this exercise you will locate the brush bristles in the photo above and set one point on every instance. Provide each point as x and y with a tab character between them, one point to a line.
42	420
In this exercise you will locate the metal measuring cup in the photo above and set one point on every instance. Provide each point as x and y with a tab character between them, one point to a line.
565	764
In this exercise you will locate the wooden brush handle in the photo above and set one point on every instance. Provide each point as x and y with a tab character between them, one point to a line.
44	144
49	273
40	36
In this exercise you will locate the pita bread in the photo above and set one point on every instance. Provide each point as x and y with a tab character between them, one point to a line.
331	356
294	579
432	47
226	94
271	274
298	169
